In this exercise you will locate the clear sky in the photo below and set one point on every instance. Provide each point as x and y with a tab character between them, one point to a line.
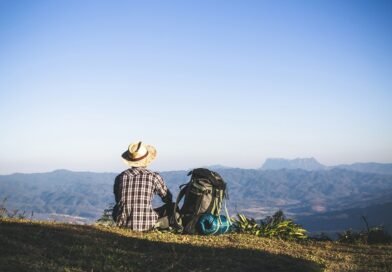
206	82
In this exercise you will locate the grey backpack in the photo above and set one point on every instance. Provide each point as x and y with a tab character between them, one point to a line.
203	194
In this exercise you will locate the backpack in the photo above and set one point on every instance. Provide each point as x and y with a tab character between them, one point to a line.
203	195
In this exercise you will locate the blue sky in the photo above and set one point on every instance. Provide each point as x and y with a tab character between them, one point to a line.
206	82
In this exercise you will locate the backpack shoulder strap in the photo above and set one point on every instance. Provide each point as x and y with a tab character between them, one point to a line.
177	223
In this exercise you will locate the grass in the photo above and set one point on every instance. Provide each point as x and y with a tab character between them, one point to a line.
45	246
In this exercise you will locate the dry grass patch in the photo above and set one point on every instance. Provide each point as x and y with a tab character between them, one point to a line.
44	246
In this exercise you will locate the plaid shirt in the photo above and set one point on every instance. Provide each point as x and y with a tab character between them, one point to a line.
134	190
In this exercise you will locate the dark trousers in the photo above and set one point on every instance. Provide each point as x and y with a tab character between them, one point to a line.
165	215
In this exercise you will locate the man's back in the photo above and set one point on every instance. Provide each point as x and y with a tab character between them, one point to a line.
134	190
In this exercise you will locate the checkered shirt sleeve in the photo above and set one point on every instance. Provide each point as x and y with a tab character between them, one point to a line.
134	190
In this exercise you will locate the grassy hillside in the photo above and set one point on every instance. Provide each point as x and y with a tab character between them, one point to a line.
32	246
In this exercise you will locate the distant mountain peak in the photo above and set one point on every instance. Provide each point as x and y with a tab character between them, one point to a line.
309	164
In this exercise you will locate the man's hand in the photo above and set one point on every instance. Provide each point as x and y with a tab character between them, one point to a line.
168	197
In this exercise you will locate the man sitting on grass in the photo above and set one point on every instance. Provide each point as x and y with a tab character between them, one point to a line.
135	188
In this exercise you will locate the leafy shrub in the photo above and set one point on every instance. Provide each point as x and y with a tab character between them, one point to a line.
246	225
372	235
106	218
378	235
276	226
350	237
5	213
375	235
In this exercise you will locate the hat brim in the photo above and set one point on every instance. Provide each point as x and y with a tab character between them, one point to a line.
152	153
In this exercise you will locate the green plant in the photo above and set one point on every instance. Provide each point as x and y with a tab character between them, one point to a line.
281	227
106	218
246	225
276	226
5	213
378	235
372	235
350	237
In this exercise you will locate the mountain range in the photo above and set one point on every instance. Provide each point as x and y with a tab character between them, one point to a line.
311	164
301	188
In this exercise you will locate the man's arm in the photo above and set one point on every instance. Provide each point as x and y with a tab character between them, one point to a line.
116	188
162	190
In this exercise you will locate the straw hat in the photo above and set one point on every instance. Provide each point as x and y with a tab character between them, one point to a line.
139	154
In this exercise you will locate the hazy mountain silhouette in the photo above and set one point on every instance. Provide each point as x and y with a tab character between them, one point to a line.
309	164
